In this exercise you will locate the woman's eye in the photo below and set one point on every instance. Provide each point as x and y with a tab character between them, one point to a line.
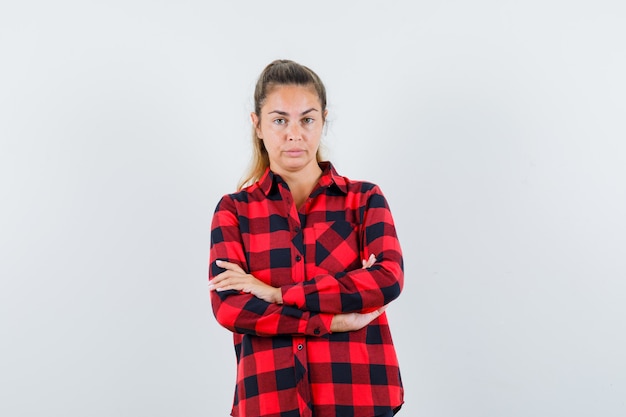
279	121
308	120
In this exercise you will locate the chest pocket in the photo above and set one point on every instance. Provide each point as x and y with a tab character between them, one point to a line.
337	246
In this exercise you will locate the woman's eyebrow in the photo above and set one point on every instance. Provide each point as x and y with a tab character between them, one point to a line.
284	113
308	111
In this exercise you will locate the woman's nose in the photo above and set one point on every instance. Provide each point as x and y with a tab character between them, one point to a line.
294	132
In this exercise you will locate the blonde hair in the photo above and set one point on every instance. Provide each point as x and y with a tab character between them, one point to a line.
279	72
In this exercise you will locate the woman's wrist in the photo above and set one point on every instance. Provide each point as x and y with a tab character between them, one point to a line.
278	296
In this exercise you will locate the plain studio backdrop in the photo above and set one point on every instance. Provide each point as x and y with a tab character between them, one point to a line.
495	129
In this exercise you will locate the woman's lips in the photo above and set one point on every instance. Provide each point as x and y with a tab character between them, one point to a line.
294	152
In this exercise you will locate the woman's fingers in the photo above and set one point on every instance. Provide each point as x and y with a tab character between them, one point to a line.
349	322
232	270
229	266
226	283
240	281
234	278
227	280
227	277
369	262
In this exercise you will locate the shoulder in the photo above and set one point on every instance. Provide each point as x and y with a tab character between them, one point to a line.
364	194
368	194
242	197
349	185
360	186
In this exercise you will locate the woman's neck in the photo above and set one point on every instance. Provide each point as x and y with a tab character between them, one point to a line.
301	184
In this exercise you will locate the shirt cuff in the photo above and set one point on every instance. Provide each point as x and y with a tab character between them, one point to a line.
319	325
293	295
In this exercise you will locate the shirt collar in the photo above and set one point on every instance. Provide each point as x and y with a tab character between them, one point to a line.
329	178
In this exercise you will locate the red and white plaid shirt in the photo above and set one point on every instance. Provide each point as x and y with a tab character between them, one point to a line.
288	362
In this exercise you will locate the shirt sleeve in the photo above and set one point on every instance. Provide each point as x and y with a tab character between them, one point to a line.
359	290
245	313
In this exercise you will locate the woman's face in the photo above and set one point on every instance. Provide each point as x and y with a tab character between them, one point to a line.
291	128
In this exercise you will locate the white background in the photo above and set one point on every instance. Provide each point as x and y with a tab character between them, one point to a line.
495	128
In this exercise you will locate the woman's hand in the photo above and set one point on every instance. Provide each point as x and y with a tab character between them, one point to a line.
370	261
235	278
350	322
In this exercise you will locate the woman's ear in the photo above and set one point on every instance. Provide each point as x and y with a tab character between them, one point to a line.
325	127
255	123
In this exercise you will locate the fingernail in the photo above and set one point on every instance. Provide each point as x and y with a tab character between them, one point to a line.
218	262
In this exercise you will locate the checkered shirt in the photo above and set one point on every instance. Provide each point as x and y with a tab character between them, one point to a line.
288	362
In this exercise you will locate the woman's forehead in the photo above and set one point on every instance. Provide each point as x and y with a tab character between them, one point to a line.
291	97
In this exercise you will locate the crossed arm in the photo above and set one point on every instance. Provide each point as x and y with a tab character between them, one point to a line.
235	278
346	301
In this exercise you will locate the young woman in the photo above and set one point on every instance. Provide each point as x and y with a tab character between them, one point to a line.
303	262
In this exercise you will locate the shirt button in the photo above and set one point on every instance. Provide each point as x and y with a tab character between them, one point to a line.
316	331
297	229
300	347
298	258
